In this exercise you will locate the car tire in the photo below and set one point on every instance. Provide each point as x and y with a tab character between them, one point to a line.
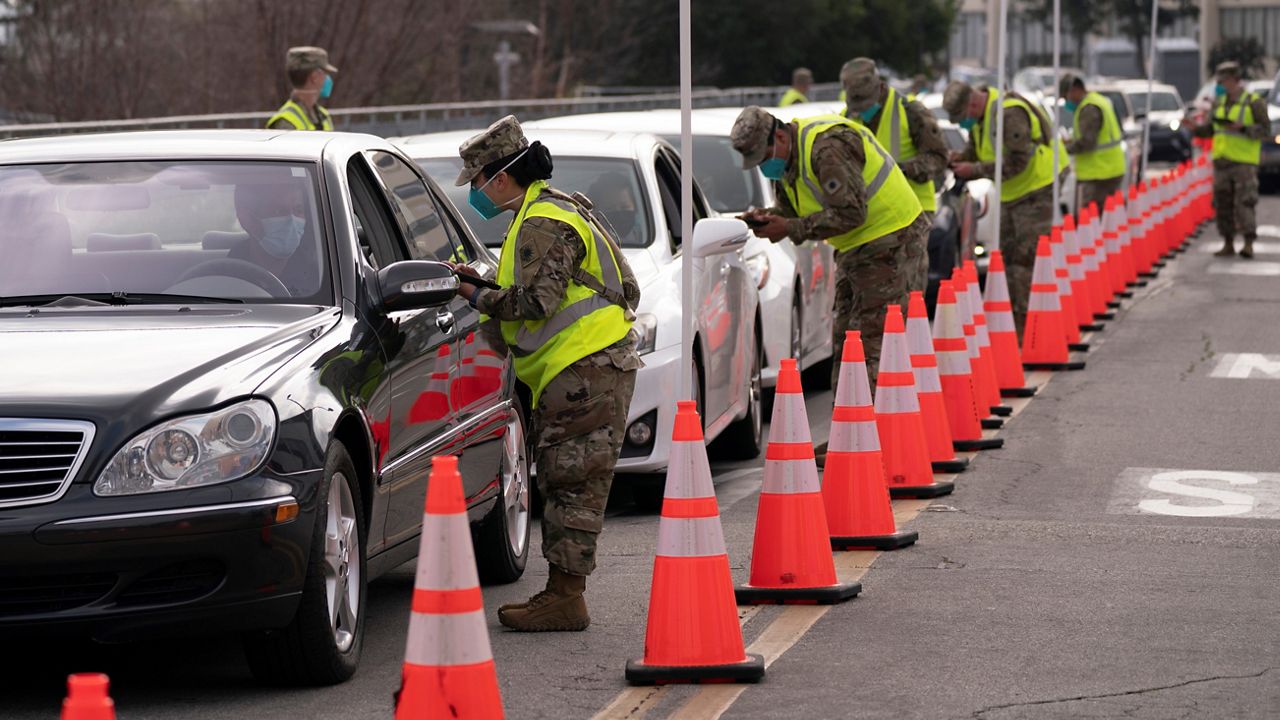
647	493
502	540
310	650
744	438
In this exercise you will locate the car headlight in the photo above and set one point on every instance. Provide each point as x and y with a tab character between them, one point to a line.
759	267
646	326
1174	125
196	450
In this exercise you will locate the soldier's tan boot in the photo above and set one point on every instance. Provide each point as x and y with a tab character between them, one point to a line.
1246	252
560	607
1228	248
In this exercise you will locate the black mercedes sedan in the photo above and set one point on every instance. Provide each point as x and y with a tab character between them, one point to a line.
226	361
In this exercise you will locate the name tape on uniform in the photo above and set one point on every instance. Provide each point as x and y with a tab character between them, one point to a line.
1196	493
1247	366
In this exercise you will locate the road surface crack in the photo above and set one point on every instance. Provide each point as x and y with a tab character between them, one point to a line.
1127	693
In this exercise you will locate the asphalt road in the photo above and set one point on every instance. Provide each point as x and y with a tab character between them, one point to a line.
1074	573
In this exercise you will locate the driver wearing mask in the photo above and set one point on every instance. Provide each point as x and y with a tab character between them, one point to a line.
274	216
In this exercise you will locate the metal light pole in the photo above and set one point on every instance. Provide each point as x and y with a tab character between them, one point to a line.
686	202
1151	80
999	139
1053	120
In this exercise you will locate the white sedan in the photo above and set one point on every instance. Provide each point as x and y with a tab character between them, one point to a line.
634	181
796	282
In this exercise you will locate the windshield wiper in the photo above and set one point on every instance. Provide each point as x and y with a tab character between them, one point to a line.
112	298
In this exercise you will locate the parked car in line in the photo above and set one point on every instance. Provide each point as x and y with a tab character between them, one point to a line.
1041	79
228	358
1170	141
633	179
796	282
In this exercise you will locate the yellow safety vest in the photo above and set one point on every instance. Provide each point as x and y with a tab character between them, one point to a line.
297	116
1038	173
894	133
1232	145
791	97
891	203
585	322
1106	160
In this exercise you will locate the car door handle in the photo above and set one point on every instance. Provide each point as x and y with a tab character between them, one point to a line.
445	322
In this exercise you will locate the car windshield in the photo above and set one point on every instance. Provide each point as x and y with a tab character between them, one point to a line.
1160	102
234	231
728	187
1117	102
612	185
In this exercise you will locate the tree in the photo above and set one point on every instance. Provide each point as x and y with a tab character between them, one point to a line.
1248	51
1079	18
1134	20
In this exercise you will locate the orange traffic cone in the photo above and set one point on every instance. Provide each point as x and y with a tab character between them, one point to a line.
984	377
902	441
1062	274
1044	342
1072	238
693	633
933	409
1004	335
956	374
791	554
448	664
1113	276
859	514
87	698
985	354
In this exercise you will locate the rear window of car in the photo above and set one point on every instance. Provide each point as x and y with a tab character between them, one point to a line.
247	231
1160	102
612	185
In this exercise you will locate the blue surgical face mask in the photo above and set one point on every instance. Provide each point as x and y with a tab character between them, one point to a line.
1070	106
480	202
327	89
869	113
774	168
281	235
968	123
1219	90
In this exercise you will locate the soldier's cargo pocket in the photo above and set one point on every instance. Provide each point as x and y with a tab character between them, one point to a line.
571	407
585	519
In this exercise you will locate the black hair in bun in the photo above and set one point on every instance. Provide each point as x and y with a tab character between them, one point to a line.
530	165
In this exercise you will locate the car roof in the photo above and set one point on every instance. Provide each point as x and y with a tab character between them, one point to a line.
1138	86
708	121
568	143
179	144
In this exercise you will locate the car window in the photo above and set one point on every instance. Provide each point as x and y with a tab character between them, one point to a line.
612	184
1117	102
248	230
426	234
727	186
375	228
1160	102
699	200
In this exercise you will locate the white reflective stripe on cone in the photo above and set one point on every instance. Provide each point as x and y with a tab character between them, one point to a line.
953	363
854	389
894	356
896	399
1000	322
787	477
997	288
1059	251
454	639
1075	270
790	421
853	437
984	337
688	473
927	379
690	537
1044	301
446	570
919	341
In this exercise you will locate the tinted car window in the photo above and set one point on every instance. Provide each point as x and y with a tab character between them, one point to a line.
1160	101
613	185
149	227
425	230
716	164
1117	102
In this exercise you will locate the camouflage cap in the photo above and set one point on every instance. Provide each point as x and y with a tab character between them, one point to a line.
801	75
1067	82
1229	68
955	99
307	57
861	81
752	134
503	138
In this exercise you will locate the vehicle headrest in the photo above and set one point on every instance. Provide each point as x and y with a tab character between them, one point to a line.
222	239
107	242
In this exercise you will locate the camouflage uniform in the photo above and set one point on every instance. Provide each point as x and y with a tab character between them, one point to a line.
1235	185
870	276
863	87
1023	220
1089	123
295	115
581	416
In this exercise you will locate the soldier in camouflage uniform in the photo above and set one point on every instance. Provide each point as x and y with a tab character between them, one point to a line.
580	414
1023	220
870	276
1088	122
1235	179
866	95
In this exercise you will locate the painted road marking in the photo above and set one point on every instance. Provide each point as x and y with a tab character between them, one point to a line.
1246	366
1196	493
1252	268
1262	247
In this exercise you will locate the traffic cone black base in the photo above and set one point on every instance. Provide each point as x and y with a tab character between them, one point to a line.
1115	304
1124	294
1070	365
1078	347
1019	392
1104	316
975	445
1139	283
1093	327
896	541
937	488
954	465
748	671
993	423
830	595
1001	410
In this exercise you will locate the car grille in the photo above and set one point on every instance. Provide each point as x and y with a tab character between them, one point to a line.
39	458
180	582
52	593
